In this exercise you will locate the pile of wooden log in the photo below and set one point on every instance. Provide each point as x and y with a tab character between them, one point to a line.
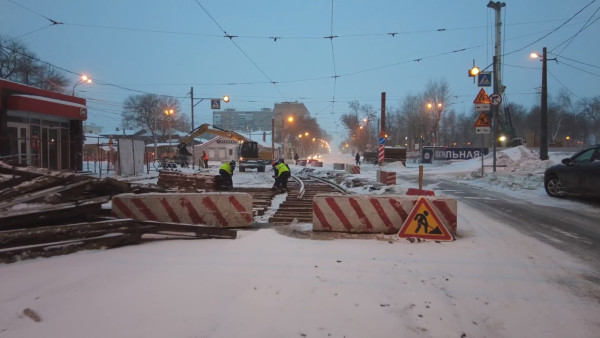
46	213
187	182
59	240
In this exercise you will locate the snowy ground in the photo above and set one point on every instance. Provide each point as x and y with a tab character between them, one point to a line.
491	282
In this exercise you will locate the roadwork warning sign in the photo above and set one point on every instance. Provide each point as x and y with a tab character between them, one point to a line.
423	222
482	121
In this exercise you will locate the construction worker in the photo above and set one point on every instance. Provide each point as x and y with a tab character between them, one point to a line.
226	172
282	174
205	159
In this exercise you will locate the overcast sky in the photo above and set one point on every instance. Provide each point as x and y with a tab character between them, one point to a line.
280	50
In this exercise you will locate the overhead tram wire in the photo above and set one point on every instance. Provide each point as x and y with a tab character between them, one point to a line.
335	75
240	49
553	31
586	25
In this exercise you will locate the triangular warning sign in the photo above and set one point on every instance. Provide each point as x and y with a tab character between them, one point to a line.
482	97
423	222
482	121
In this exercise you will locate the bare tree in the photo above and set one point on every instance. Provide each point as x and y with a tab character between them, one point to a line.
148	112
590	113
18	64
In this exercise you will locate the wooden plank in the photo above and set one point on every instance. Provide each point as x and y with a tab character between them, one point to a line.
200	230
47	234
66	247
55	214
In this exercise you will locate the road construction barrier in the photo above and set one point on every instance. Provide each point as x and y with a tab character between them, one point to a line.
302	163
352	169
377	213
339	166
220	209
420	192
386	177
317	164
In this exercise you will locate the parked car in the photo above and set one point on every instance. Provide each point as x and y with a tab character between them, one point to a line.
576	175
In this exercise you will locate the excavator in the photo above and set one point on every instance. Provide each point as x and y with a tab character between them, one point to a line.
251	156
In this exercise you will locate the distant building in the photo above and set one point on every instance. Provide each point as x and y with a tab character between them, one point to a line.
41	128
284	110
247	121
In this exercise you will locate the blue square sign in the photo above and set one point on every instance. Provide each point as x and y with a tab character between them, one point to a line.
484	79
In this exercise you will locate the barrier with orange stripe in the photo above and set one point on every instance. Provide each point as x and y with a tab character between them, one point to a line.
375	213
352	169
386	177
227	210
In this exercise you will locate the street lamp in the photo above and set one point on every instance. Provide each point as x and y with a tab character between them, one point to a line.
543	105
169	114
82	79
289	119
438	112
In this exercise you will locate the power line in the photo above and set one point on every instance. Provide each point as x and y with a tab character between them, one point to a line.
230	37
554	30
572	38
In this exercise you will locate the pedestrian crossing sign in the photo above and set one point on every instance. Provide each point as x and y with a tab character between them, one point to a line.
423	222
215	103
484	79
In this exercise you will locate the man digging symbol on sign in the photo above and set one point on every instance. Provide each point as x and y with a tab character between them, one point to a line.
422	221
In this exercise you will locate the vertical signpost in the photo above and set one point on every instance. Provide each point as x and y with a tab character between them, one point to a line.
381	155
482	125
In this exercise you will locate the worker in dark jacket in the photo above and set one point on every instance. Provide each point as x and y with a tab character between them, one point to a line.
226	172
282	174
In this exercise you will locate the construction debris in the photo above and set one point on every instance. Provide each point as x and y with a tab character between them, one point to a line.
45	213
187	182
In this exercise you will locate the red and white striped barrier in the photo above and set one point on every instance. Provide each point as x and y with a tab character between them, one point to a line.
375	213
227	210
352	169
386	177
302	163
317	164
339	166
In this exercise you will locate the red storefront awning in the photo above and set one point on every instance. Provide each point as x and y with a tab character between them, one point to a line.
45	105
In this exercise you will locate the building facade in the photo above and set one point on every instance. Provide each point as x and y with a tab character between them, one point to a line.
246	121
41	128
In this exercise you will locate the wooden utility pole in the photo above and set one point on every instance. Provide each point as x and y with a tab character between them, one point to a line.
497	65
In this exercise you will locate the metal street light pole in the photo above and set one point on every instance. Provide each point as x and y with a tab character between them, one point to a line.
83	79
199	99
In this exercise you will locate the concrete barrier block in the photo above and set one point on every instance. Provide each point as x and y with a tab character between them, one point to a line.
386	177
339	166
375	213
317	164
220	209
302	163
352	169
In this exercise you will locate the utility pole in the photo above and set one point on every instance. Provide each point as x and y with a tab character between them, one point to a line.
192	101
498	87
544	110
381	154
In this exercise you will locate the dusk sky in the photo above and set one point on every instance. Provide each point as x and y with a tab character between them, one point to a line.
280	51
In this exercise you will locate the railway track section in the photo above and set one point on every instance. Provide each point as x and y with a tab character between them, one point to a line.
297	206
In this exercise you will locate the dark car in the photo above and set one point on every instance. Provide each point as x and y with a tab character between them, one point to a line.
577	175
